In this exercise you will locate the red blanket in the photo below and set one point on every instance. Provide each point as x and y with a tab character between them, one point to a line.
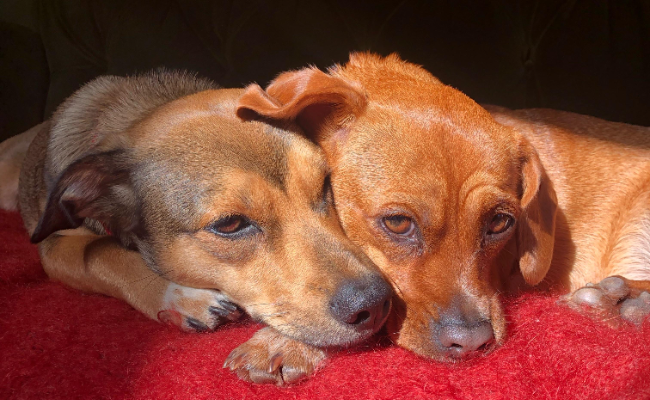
57	343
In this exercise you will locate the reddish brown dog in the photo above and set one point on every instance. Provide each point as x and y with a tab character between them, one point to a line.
149	189
457	204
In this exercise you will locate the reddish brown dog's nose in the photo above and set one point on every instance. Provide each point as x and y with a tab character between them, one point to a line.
459	340
462	330
362	303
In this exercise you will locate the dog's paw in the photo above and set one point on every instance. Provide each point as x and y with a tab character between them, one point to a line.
612	300
196	310
269	357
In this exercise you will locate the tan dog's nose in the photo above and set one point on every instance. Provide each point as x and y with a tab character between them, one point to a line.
362	303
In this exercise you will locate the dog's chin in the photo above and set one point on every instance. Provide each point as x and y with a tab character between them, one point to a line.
423	348
326	335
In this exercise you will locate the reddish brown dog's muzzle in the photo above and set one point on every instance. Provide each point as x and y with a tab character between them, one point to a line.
461	331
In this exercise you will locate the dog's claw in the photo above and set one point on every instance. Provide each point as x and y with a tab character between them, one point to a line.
269	357
196	310
227	310
275	363
197	325
611	300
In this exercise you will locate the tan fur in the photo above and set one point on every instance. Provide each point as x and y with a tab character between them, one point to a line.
126	183
12	154
577	187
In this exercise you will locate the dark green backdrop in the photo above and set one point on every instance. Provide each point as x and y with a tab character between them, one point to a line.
587	56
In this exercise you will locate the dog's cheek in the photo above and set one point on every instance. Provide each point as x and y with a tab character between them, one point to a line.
202	261
412	332
227	251
504	274
497	318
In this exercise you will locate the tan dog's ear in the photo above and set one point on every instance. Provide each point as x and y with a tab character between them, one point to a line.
536	226
97	187
319	103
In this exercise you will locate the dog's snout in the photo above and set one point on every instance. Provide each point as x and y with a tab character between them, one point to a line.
362	303
462	331
460	340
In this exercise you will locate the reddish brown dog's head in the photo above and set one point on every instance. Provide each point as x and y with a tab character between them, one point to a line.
445	200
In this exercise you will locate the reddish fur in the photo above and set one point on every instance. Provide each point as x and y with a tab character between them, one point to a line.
425	150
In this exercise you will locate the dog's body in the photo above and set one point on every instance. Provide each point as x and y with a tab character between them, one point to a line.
457	205
149	189
600	172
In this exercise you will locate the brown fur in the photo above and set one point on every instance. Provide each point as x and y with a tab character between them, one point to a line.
126	187
401	143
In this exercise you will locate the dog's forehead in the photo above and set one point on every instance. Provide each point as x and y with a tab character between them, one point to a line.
201	135
422	157
425	141
187	162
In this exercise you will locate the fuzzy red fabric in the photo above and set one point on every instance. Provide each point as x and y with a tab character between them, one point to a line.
57	343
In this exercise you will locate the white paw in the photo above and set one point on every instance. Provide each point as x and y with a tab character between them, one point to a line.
196	310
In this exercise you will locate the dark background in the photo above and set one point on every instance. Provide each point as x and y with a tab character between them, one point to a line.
586	56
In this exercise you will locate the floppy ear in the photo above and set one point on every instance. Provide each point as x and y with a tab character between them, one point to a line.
321	104
536	226
96	187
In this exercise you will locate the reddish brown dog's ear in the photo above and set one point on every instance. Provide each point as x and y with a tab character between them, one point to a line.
319	103
536	226
97	187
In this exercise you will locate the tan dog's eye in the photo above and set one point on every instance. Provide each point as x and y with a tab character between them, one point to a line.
500	223
233	226
399	224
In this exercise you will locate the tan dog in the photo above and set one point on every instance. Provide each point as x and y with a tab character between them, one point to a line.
149	189
457	204
12	154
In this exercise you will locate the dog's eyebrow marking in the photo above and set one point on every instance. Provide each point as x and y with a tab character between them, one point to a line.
324	197
275	169
266	157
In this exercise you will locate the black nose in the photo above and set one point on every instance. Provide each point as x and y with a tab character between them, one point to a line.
362	303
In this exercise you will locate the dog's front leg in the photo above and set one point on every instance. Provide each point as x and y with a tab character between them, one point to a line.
270	357
99	264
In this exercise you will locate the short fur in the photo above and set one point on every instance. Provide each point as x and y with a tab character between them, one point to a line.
130	184
496	200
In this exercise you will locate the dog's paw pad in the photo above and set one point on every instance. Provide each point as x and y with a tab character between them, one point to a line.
196	310
636	310
611	300
269	357
614	287
591	296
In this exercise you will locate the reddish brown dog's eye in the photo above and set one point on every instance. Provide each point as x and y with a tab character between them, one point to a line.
399	224
500	223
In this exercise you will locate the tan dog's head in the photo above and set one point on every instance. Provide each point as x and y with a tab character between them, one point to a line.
444	199
242	207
